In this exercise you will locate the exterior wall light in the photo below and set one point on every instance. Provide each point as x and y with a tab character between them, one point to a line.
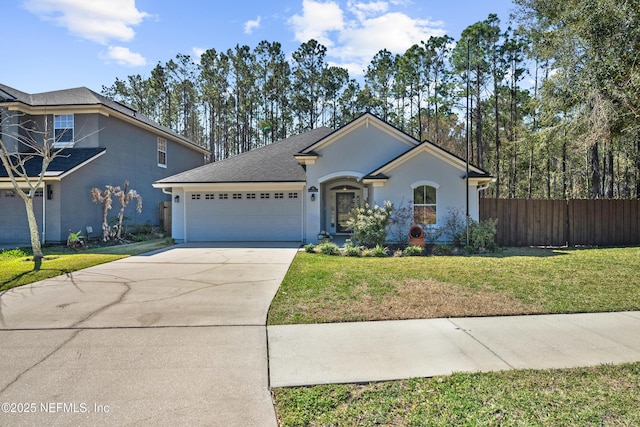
176	199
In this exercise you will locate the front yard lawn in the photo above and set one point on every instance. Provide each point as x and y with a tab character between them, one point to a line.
321	288
16	269
600	396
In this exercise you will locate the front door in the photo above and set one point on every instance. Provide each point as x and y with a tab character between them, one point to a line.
344	204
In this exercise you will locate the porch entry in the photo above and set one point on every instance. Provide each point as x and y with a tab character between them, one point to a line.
340	196
344	204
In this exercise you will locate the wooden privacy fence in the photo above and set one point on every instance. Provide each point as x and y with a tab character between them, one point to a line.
526	222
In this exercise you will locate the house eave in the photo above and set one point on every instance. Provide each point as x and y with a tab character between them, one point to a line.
233	186
306	159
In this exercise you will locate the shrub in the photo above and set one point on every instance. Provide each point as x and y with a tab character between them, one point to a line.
454	230
482	234
443	250
400	221
413	251
349	249
310	248
352	251
329	249
377	251
14	253
369	224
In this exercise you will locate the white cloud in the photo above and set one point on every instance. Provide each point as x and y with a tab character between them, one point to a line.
354	35
96	20
363	10
124	56
197	52
318	19
251	25
393	31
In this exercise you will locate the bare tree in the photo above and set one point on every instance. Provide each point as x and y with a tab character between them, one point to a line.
124	195
32	146
14	161
104	197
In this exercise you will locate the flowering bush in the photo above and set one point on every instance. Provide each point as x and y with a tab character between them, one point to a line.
369	224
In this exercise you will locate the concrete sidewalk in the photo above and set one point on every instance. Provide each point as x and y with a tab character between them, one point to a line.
389	350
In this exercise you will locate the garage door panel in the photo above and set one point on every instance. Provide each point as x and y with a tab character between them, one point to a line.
216	218
14	226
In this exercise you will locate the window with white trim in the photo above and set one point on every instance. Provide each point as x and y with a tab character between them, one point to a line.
195	197
223	196
293	195
264	195
251	195
209	196
62	130
237	196
162	152
278	196
425	204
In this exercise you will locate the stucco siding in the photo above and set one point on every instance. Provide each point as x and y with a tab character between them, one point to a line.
131	155
451	192
355	154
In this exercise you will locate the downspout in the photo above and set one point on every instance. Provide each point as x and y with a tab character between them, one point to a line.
44	213
303	200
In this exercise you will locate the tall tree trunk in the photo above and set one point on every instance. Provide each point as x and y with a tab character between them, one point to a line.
564	165
497	133
479	147
595	171
610	171
34	234
638	167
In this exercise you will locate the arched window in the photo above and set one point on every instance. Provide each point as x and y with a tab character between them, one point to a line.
424	204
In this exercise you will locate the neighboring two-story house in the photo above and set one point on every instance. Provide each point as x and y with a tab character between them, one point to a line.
105	143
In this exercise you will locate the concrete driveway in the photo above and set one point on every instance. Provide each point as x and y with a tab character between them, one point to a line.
176	337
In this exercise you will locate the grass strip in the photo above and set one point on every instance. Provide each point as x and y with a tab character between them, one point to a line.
599	396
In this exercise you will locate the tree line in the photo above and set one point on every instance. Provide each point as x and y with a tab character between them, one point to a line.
553	97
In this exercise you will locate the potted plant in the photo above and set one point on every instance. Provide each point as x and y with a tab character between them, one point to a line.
324	237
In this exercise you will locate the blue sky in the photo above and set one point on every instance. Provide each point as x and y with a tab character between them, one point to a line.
60	44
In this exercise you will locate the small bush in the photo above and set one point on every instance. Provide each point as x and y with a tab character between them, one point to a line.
413	251
482	234
310	248
443	250
329	249
377	251
369	224
14	253
352	251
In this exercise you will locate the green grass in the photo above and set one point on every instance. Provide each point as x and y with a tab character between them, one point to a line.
16	269
318	287
599	396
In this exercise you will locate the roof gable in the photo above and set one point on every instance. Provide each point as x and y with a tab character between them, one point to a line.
367	119
434	150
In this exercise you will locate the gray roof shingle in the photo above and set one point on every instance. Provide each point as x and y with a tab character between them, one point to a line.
271	163
65	161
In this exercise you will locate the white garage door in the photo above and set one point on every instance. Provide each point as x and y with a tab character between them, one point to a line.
246	216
